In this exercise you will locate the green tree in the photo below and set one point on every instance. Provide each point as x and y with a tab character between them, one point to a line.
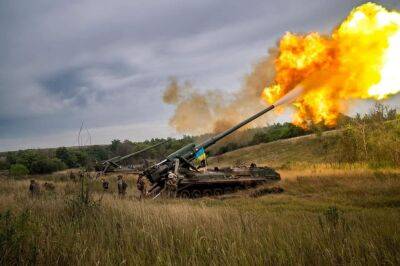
97	152
4	165
82	159
278	131
66	156
47	166
372	138
17	170
115	143
228	147
28	157
11	158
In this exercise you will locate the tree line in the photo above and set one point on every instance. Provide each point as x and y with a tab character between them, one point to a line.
45	161
373	137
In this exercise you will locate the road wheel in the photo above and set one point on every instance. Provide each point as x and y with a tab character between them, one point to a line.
196	194
185	194
218	192
207	193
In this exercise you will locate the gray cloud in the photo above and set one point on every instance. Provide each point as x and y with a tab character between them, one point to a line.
69	85
79	86
107	62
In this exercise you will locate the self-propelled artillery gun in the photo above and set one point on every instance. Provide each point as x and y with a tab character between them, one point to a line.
178	174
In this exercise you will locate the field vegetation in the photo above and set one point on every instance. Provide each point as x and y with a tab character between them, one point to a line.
326	216
340	205
372	140
360	141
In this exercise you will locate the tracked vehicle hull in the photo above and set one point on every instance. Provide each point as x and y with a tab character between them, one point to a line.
221	181
179	175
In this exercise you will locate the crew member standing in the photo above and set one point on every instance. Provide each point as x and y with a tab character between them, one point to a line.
122	186
141	186
105	184
34	188
172	183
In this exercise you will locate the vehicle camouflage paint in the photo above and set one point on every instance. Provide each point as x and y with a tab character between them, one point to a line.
221	181
178	173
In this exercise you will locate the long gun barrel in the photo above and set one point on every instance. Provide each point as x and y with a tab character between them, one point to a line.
187	153
222	135
141	151
115	160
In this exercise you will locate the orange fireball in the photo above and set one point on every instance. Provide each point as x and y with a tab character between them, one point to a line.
359	60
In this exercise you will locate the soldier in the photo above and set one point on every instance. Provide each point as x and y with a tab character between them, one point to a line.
105	184
34	188
49	186
141	186
203	164
172	184
81	175
122	186
87	174
72	176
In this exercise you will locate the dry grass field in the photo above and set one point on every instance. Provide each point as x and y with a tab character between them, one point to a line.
282	153
326	216
330	213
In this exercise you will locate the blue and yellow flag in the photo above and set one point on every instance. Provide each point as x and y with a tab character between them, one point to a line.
200	155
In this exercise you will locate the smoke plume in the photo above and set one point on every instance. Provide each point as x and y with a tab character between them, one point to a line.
212	111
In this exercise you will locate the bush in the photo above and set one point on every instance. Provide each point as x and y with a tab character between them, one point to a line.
11	158
4	165
97	152
373	138
67	157
27	157
18	170
278	131
81	158
228	147
34	162
47	166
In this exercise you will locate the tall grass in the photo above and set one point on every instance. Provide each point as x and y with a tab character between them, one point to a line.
376	143
325	217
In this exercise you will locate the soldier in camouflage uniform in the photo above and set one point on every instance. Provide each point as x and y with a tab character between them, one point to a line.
122	186
141	186
49	186
172	184
105	184
34	188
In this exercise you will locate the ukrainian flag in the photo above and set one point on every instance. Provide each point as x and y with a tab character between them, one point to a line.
200	155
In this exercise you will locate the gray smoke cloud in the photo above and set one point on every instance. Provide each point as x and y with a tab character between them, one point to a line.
215	110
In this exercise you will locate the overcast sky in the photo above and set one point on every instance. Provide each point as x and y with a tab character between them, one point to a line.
107	62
